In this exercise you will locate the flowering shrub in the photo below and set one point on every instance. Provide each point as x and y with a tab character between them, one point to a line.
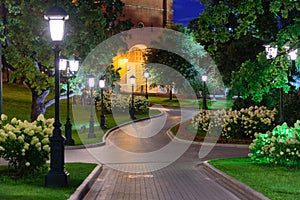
121	103
141	104
280	146
25	145
246	122
242	124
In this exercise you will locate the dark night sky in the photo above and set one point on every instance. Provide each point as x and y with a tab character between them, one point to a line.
186	10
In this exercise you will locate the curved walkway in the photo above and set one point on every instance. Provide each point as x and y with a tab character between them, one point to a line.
127	176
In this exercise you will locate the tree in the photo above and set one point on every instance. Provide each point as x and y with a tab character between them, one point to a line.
180	67
259	22
27	51
230	28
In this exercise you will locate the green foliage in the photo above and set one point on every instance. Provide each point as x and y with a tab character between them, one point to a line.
25	145
227	29
28	47
280	146
291	110
240	103
257	78
179	61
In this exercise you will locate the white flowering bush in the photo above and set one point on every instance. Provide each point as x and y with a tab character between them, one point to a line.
141	104
247	122
242	124
25	144
119	103
281	146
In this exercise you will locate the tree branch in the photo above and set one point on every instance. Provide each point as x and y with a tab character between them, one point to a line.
52	101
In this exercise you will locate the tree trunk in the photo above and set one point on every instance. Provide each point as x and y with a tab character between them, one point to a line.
38	103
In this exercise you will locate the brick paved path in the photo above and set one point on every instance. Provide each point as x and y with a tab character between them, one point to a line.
184	179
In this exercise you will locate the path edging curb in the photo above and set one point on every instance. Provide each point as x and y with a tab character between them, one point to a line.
86	185
239	187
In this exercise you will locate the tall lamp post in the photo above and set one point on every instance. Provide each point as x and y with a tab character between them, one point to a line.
69	68
271	54
146	75
91	82
204	104
57	176
102	117
132	82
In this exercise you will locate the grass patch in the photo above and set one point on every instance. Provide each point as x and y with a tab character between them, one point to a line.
175	102
17	103
275	182
32	188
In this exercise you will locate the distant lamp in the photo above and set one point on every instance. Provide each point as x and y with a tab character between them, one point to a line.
271	51
204	104
74	65
146	75
69	69
91	82
132	82
271	54
102	117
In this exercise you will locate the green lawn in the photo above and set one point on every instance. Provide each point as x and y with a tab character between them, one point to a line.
275	182
190	103
17	103
32	188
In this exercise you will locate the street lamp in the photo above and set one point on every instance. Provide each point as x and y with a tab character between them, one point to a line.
271	54
146	75
102	117
204	79
70	67
57	176
91	82
132	82
293	56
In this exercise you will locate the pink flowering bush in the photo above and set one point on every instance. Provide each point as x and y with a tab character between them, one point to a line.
25	144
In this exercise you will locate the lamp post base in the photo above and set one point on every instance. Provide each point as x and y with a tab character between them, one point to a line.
57	179
102	122
68	131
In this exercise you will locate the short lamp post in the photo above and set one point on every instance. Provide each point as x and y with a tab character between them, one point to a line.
57	176
132	82
102	117
91	82
69	69
204	104
146	75
271	54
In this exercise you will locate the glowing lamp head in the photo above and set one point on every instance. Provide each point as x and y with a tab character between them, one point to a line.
132	79
74	65
101	83
63	64
91	81
146	74
271	51
204	78
56	17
